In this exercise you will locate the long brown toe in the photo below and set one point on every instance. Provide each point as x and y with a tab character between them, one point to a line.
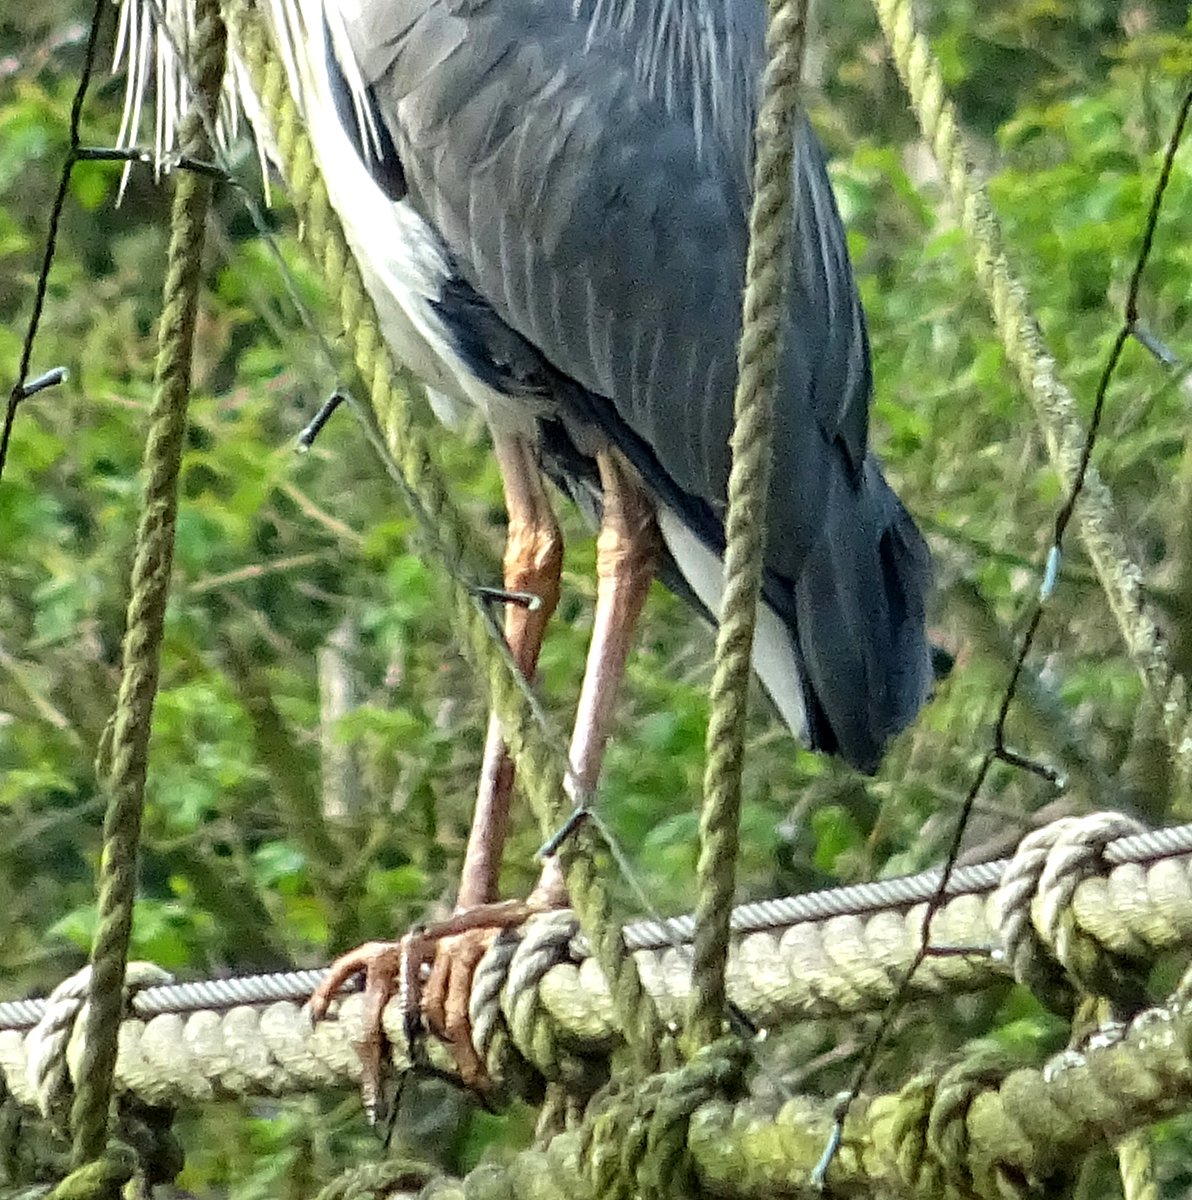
447	997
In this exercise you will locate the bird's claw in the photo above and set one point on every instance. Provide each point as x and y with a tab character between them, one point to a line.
446	1000
387	968
430	971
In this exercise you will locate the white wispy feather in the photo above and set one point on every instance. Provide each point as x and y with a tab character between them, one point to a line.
152	41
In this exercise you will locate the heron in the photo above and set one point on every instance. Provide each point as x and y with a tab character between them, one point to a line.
549	202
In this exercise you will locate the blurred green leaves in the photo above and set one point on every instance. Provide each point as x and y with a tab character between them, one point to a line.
257	852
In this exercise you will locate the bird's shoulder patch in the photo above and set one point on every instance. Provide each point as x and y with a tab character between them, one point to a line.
496	353
365	127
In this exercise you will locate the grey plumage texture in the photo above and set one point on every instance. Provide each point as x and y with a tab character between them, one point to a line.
587	167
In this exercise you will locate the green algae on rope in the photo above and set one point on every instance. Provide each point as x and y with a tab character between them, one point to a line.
767	272
127	753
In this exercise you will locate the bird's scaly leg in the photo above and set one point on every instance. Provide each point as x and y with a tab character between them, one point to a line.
626	558
627	554
532	565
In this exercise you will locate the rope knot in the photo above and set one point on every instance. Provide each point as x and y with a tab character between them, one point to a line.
634	1141
932	1144
55	1054
1048	949
54	1046
511	1028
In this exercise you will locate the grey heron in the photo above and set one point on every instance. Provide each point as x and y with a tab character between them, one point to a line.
549	200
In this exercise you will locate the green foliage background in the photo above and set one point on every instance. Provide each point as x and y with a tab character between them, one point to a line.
281	829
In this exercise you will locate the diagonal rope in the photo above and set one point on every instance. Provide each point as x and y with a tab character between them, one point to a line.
540	767
767	273
1054	406
127	752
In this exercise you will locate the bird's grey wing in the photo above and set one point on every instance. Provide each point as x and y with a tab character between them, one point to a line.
590	191
587	170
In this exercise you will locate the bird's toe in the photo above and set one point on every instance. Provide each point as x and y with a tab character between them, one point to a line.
447	997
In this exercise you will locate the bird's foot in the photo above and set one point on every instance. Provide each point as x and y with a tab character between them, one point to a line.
456	947
385	966
430	970
446	997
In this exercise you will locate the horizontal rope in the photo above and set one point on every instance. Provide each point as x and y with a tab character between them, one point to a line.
1029	1123
764	916
784	967
1002	1135
979	1129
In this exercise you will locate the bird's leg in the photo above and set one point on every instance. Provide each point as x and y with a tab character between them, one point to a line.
627	552
626	559
627	555
532	565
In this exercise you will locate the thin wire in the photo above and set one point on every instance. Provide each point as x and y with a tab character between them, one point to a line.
1160	349
1131	317
999	750
316	424
133	155
855	900
22	389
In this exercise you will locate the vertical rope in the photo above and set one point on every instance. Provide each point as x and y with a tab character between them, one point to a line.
1136	1162
128	753
1055	408
767	271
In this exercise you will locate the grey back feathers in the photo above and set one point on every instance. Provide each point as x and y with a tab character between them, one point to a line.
586	164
